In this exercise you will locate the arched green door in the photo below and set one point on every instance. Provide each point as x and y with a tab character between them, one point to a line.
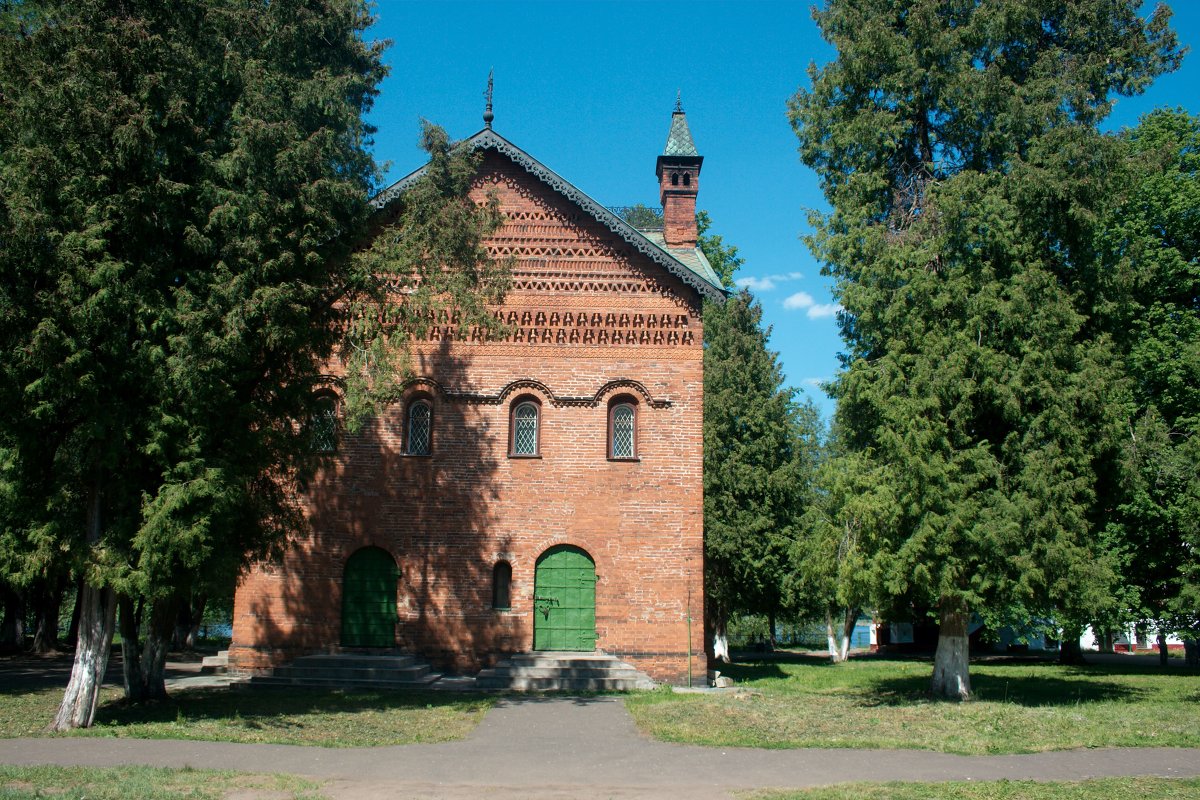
369	599
564	600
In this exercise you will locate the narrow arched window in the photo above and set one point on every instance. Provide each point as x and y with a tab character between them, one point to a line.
502	585
622	430
674	178
322	424
419	435
525	429
687	179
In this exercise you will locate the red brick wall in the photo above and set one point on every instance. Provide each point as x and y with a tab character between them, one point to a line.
588	312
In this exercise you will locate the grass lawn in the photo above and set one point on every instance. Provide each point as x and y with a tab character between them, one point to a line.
1019	707
323	718
1108	788
148	783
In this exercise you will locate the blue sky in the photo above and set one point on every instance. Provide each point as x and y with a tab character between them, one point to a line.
587	88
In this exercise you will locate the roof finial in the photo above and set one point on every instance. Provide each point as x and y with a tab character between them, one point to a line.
488	116
678	101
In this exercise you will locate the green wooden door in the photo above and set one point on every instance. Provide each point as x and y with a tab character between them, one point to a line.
564	600
369	599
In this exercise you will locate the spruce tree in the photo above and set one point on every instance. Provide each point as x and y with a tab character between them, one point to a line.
956	145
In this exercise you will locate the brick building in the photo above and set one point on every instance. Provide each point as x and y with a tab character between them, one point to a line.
543	492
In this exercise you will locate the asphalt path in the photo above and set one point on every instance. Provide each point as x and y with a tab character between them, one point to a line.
561	747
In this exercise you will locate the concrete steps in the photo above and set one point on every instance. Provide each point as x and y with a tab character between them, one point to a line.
351	671
563	672
215	665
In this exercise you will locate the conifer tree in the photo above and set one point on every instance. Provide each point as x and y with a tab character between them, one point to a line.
183	187
758	448
1152	238
956	145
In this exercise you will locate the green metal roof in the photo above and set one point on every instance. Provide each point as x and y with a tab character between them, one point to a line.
679	139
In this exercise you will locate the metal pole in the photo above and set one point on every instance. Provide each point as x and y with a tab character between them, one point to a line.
689	630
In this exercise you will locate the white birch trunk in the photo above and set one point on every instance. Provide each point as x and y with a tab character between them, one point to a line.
721	641
848	622
831	640
96	618
951	679
78	708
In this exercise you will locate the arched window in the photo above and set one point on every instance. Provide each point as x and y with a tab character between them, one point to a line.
524	439
687	179
502	585
322	424
622	429
418	440
674	178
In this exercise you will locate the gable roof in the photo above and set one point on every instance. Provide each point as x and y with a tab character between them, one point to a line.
689	265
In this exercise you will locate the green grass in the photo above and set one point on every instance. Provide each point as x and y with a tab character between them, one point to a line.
323	718
1019	707
148	783
1108	788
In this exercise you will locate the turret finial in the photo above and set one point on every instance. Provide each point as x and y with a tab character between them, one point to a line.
678	101
488	116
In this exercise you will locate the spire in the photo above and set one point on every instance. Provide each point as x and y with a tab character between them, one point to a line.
678	171
679	138
488	116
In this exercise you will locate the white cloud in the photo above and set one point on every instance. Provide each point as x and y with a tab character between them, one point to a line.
767	283
756	284
803	301
799	300
820	310
814	382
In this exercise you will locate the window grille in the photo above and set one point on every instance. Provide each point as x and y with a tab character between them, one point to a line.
525	430
323	425
622	432
420	424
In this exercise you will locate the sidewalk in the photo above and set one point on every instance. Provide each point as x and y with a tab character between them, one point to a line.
558	747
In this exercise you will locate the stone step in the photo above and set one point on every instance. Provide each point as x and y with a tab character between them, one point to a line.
273	682
350	670
215	665
340	661
560	672
563	672
296	670
518	683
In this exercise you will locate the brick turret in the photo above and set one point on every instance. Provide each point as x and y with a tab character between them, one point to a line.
678	170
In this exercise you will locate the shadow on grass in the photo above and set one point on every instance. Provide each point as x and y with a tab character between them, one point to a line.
763	667
252	707
1022	690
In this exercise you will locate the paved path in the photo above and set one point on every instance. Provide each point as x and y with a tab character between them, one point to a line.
559	747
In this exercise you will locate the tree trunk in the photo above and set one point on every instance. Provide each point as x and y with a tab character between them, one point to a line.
1104	640
771	641
951	679
1191	652
131	664
163	614
73	631
78	708
197	617
1069	651
48	603
1162	649
96	619
12	629
830	639
720	640
849	621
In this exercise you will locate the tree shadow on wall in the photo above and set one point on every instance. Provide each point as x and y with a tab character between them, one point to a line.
434	514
